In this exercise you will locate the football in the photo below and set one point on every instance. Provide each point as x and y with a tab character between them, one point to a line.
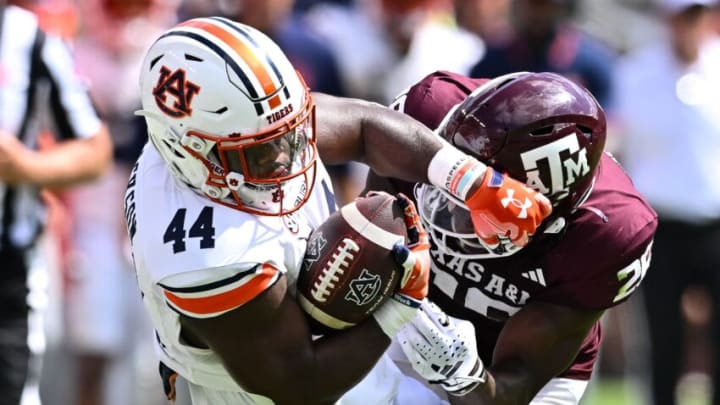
348	270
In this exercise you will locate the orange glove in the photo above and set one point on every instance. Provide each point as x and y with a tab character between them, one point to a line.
415	257
503	207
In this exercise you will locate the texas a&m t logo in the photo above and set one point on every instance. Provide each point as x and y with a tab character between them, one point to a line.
173	93
566	162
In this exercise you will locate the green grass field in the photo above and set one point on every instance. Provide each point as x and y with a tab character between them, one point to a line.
612	392
692	391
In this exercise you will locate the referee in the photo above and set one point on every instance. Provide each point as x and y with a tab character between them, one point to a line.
32	62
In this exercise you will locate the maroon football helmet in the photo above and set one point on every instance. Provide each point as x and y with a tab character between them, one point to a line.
539	128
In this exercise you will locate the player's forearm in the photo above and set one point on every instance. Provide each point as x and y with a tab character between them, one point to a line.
538	344
329	369
418	155
398	146
342	360
391	143
277	357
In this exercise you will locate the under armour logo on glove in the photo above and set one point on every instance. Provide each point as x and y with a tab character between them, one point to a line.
503	208
524	205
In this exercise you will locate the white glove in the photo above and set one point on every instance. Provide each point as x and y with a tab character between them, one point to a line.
442	349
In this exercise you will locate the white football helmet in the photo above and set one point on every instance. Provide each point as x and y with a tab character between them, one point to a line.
230	115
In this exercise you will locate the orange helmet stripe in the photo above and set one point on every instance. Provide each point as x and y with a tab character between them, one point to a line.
226	300
242	49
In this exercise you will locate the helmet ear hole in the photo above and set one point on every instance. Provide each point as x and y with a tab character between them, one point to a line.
544	131
586	132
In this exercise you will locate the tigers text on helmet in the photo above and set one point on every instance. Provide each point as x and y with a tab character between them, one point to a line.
230	116
539	128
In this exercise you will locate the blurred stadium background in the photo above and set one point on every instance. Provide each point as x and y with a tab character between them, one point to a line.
110	37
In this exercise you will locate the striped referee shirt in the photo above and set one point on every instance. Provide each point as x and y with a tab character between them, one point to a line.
33	64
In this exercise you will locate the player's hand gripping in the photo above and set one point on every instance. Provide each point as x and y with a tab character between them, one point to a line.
504	209
442	349
415	257
414	262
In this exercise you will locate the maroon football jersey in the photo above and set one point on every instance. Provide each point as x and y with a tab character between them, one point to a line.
594	262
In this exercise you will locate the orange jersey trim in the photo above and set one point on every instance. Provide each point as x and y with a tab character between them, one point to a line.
226	300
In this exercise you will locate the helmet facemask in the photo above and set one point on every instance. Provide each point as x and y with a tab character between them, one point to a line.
265	173
448	220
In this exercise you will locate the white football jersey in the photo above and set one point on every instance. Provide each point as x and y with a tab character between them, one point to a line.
200	258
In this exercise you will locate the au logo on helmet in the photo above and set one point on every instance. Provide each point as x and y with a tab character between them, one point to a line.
178	88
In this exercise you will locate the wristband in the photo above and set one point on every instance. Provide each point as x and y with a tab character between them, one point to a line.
454	171
392	315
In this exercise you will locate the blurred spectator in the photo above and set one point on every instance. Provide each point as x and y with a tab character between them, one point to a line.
666	100
198	8
545	39
34	65
488	19
384	46
305	5
307	51
422	38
